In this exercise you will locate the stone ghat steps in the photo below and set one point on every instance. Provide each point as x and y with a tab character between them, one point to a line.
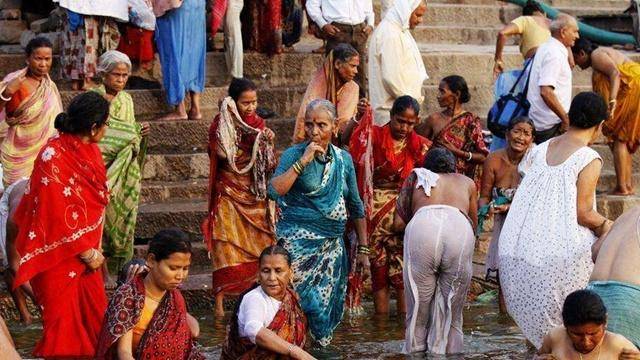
472	61
188	214
497	14
157	192
621	4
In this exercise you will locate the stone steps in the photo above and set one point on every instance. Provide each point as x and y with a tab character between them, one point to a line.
618	4
185	214
497	14
471	60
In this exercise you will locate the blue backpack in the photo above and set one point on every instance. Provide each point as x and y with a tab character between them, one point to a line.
509	106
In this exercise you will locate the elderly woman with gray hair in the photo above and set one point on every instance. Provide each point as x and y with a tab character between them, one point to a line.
123	153
316	190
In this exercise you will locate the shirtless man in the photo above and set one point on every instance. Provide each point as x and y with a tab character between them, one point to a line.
584	334
616	274
615	78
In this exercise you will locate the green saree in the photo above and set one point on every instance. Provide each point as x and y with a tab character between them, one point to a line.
123	155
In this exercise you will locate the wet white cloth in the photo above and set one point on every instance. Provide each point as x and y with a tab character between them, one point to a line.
544	254
550	68
347	12
257	310
438	252
426	179
395	66
4	217
118	9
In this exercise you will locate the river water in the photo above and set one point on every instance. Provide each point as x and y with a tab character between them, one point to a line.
488	335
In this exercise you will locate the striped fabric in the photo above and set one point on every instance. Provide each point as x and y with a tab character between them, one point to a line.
30	126
123	156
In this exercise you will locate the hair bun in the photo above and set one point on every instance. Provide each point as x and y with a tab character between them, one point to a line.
62	122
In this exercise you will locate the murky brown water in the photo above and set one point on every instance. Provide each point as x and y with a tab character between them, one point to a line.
488	335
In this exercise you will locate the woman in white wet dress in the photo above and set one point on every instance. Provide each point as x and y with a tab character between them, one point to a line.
439	208
545	243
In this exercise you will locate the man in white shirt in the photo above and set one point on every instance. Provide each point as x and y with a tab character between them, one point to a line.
549	91
345	21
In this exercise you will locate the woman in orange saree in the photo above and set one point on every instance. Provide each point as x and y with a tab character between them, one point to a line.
333	81
240	222
60	220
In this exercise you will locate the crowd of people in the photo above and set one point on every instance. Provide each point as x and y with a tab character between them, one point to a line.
367	190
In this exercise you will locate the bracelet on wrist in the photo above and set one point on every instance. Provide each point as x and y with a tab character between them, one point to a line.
470	156
5	99
290	349
364	250
298	167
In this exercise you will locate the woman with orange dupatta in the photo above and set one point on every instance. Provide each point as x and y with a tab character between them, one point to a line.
333	81
268	322
241	218
60	220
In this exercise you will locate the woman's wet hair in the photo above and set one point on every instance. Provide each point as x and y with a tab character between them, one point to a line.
36	43
440	160
587	110
457	84
521	120
321	104
169	241
275	250
583	44
239	86
403	103
344	52
84	111
583	307
531	7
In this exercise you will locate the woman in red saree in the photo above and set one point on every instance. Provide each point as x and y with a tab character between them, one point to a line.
147	316
268	322
456	129
241	218
60	220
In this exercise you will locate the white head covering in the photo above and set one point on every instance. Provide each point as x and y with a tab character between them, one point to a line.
111	59
400	12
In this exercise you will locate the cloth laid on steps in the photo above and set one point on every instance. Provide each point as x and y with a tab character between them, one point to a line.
117	9
623	307
4	217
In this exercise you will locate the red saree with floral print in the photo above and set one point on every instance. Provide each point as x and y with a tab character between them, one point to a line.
60	216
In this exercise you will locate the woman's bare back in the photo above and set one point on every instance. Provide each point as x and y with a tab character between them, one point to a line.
455	190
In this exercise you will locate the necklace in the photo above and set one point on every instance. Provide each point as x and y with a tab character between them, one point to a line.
152	298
